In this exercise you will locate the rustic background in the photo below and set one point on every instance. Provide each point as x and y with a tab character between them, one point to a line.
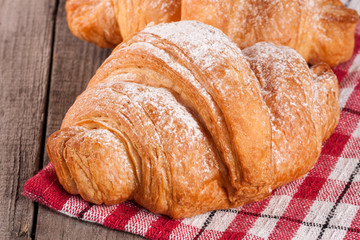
43	68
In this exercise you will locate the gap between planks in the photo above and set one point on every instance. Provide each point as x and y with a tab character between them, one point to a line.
46	110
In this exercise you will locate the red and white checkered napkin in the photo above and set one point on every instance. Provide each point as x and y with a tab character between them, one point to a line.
322	205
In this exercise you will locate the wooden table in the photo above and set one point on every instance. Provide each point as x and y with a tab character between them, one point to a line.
43	68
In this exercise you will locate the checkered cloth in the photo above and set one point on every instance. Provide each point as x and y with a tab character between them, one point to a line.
322	205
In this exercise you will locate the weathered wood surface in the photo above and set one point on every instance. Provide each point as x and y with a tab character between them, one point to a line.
25	49
43	68
74	62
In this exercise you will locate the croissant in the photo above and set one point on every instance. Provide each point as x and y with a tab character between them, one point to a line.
320	30
181	121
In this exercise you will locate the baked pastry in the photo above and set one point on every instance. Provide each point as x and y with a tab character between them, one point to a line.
320	30
181	121
107	22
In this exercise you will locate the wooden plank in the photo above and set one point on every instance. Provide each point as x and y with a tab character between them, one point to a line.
74	63
354	4
25	50
57	226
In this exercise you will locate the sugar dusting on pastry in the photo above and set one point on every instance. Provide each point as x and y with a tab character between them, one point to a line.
176	129
208	44
295	99
174	65
204	126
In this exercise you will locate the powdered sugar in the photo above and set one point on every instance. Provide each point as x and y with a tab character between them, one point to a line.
209	46
178	134
287	90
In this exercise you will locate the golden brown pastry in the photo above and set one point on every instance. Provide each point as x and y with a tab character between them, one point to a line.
320	30
107	22
181	121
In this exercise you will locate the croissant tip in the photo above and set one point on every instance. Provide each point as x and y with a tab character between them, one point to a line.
320	68
340	14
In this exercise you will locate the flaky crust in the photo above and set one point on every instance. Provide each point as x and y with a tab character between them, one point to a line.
320	30
181	121
107	22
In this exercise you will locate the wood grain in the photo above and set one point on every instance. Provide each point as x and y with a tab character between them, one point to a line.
25	49
74	63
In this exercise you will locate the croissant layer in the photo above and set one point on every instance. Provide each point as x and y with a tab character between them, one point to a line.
182	121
